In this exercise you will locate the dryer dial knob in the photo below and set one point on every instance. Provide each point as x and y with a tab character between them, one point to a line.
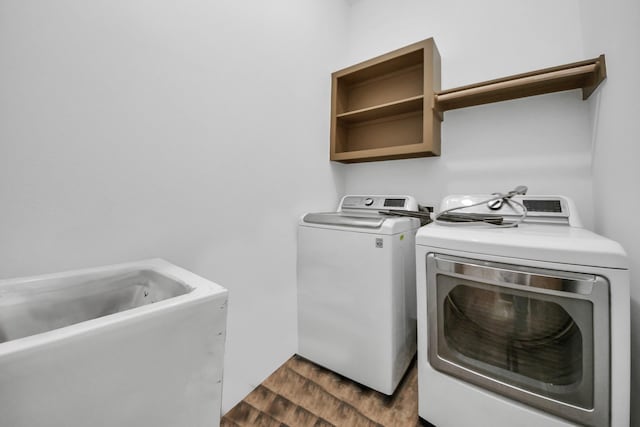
494	205
368	201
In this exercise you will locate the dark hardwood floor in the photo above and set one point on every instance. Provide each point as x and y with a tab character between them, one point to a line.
300	393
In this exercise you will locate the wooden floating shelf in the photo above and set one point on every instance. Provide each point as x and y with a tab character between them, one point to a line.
585	75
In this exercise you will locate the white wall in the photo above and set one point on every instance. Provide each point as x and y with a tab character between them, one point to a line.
614	29
189	130
543	142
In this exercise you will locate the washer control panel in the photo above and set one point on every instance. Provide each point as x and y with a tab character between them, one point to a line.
405	203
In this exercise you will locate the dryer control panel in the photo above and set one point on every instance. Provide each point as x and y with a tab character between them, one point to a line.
376	203
542	209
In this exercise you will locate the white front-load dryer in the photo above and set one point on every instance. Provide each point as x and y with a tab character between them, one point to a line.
356	290
522	326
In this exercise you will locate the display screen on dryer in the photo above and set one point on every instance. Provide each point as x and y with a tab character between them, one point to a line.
394	203
543	205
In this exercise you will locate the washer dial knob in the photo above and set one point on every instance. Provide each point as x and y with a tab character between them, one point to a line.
368	201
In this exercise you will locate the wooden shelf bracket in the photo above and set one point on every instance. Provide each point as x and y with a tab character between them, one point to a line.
586	75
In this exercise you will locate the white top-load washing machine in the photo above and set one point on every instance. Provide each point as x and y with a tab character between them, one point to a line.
356	289
521	326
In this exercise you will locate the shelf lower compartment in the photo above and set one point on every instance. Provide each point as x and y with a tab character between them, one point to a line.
399	136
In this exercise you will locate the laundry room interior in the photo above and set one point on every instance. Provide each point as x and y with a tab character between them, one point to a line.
199	133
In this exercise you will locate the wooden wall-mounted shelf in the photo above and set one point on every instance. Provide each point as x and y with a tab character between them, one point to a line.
585	75
390	107
382	109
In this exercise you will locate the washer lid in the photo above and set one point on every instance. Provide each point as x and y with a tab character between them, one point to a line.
550	243
372	223
335	218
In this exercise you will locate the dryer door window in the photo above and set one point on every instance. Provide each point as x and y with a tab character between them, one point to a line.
519	339
529	335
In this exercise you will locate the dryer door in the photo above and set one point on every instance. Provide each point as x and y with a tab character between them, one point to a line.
529	334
